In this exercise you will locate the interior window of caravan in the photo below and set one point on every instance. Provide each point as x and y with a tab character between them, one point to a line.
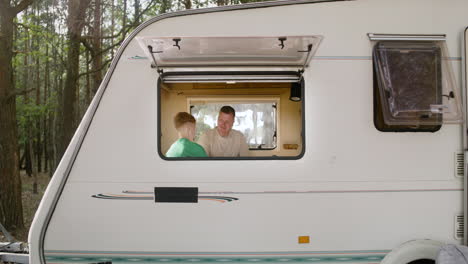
270	121
414	87
256	120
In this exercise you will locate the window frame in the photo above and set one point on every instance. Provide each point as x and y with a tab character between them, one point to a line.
378	108
273	157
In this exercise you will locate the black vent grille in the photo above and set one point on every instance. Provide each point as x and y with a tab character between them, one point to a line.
459	227
459	164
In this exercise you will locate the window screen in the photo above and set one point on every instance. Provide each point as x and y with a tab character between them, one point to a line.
408	86
256	120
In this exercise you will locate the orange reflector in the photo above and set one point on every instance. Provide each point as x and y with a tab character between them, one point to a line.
304	240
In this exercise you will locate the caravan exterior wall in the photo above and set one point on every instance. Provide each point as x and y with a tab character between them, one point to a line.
353	196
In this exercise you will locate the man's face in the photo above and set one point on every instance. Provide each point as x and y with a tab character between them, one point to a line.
225	122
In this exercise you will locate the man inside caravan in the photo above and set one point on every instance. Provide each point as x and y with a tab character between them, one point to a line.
223	141
184	146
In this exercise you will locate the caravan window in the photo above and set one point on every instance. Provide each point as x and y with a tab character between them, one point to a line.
413	89
261	77
271	123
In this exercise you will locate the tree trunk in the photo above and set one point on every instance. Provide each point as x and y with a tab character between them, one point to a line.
187	4
46	131
22	161
88	81
112	29
38	121
137	12
124	18
33	159
221	2
75	24
77	102
11	207
58	126
69	92
165	5
97	46
36	158
57	120
26	77
27	154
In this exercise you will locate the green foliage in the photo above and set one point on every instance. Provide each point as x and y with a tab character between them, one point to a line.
41	46
28	115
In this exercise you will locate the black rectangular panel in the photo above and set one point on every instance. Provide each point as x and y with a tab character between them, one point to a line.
176	194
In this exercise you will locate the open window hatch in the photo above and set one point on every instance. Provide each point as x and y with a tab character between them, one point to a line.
414	86
260	77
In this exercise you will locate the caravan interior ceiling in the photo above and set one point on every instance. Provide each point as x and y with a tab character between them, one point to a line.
349	129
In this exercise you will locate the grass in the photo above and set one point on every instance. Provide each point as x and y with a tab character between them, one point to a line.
30	203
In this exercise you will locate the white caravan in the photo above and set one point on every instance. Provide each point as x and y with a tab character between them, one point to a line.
353	112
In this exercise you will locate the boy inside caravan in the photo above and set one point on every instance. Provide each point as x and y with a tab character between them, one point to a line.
184	146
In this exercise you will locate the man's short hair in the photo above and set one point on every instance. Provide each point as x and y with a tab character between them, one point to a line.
183	117
228	110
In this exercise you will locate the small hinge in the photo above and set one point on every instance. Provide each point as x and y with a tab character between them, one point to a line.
151	51
309	51
176	42
282	40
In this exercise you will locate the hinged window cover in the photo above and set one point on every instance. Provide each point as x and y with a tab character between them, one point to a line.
416	83
295	51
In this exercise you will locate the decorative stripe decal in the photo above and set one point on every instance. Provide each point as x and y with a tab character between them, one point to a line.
138	57
150	196
319	259
311	192
59	256
226	253
220	196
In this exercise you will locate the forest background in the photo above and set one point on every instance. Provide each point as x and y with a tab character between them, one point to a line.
53	57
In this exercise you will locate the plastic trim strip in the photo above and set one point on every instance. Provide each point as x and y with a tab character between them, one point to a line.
400	37
464	53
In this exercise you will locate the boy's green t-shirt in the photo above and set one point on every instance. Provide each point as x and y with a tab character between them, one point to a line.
185	148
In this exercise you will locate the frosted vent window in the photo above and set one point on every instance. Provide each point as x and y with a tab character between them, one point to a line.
230	51
256	120
415	83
